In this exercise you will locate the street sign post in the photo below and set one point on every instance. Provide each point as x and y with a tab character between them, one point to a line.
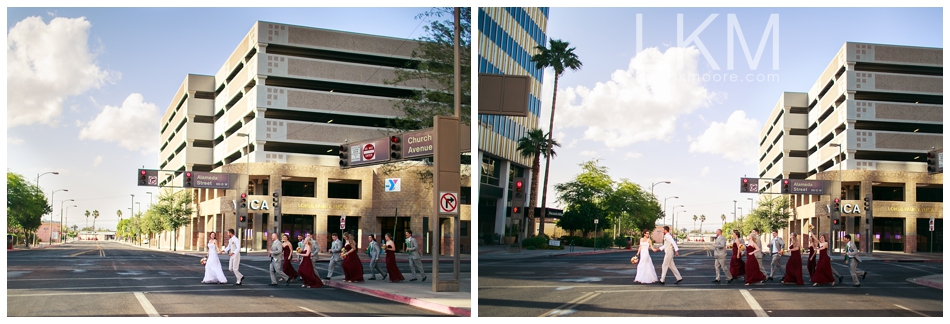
210	180
804	187
343	222
448	202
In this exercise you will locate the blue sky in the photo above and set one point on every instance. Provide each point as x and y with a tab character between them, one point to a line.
88	64
701	136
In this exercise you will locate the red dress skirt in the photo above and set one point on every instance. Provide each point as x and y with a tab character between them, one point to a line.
793	269
308	274
823	270
287	267
752	273
392	268
352	267
736	266
812	264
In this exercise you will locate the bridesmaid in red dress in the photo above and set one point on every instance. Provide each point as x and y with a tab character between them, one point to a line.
793	269
288	267
391	266
736	266
307	273
812	263
823	271
752	273
352	266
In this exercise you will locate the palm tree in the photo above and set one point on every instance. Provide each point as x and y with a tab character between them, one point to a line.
533	145
95	214
119	213
694	221
702	218
559	56
87	218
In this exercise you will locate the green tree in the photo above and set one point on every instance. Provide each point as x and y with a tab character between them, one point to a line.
771	213
533	145
151	224
26	205
585	197
559	56
175	210
95	215
87	218
702	219
694	221
433	61
632	208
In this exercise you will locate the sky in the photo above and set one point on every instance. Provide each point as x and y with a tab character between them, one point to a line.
701	134
87	87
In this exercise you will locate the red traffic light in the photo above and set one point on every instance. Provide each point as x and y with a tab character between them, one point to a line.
243	196
518	185
142	171
394	139
744	180
514	210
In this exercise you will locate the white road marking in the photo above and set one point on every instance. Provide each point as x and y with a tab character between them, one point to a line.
907	267
313	311
568	308
912	311
752	303
149	309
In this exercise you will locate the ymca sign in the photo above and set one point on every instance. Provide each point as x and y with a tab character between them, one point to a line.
851	207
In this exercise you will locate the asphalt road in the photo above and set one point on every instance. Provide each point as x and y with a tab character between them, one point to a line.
602	285
112	279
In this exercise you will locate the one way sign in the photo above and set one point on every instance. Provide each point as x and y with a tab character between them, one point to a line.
448	202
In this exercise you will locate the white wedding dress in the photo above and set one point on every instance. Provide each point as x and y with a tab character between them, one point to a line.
213	272
646	272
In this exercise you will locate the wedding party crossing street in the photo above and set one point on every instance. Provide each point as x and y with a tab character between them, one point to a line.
602	284
89	278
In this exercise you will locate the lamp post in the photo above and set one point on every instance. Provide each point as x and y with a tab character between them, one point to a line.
664	206
751	201
653	185
149	199
740	213
677	217
139	205
51	195
61	224
734	211
673	218
38	186
67	212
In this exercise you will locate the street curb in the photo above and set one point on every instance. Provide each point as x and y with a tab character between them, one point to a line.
914	260
925	282
449	310
586	253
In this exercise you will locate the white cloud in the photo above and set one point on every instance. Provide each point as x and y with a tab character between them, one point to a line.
14	140
633	155
705	171
132	126
46	63
97	160
736	140
588	153
640	103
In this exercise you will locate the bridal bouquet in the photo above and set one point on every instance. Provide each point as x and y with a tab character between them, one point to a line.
635	259
204	261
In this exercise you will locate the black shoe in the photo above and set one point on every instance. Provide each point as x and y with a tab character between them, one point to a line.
730	280
864	275
327	278
373	278
384	276
242	279
840	278
770	279
715	281
662	283
678	281
858	285
272	284
413	279
424	278
237	284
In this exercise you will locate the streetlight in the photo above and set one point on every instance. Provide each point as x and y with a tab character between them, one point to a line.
674	225
653	185
61	224
140	206
132	211
67	211
149	199
664	206
740	213
734	213
51	215
674	215
750	203
40	175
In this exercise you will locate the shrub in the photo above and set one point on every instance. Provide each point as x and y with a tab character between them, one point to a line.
538	242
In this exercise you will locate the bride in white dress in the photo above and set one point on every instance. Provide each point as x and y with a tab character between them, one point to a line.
213	272
646	272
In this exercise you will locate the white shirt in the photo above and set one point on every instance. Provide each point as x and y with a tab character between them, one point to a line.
668	239
234	245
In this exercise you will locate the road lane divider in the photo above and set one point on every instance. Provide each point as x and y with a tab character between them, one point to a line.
912	311
570	306
752	303
313	311
149	309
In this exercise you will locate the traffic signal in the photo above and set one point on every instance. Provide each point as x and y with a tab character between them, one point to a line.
519	188
395	147
344	156
785	188
188	179
932	162
242	221
868	203
143	181
277	202
244	200
836	222
837	205
516	211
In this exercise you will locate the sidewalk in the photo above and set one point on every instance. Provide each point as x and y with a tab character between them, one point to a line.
415	293
32	247
932	281
500	252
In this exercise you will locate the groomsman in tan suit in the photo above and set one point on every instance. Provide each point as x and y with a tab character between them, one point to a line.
669	246
719	252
